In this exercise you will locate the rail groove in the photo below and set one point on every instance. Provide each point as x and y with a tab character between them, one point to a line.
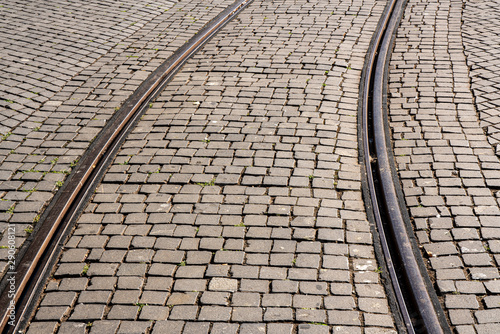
37	259
415	297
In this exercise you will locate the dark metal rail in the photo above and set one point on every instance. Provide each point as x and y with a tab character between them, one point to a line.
38	258
415	297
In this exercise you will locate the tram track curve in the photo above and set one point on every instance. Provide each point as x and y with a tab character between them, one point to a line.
38	258
413	291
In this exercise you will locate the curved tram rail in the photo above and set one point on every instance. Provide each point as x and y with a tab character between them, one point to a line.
37	261
418	304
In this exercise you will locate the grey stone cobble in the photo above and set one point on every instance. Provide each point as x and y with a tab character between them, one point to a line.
198	223
439	107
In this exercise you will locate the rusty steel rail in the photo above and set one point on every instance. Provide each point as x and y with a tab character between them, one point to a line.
418	305
36	262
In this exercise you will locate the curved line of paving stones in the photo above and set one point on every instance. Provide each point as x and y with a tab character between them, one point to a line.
37	154
448	169
235	204
481	40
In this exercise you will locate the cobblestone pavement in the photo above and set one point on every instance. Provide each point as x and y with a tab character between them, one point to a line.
482	47
63	82
449	171
235	205
46	45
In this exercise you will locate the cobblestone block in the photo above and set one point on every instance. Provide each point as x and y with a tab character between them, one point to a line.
180	312
484	273
470	287
129	327
223	328
343	318
102	283
229	257
123	312
167	326
104	326
279	328
277	300
215	313
339	302
73	284
186	298
102	269
373	305
310	328
42	327
334	275
252	328
153	297
87	312
316	288
46	313
215	298
190	272
243	271
247	314
461	317
379	320
311	316
223	284
278	314
154	312
487	316
59	299
97	297
132	269
461	301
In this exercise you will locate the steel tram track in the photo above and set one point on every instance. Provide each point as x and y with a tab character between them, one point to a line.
414	295
37	258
